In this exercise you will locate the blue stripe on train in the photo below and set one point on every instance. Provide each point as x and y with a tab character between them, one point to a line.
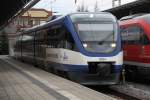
69	67
79	68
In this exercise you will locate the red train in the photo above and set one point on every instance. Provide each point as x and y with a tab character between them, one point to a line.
135	31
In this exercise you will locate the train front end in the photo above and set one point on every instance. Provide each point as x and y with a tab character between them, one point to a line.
99	55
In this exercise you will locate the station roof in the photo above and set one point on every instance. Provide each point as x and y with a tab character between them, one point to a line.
9	8
138	6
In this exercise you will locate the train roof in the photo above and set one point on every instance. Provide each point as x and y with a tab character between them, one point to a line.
45	25
57	20
134	19
136	16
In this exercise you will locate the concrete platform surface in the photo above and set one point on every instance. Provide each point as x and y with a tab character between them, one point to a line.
19	81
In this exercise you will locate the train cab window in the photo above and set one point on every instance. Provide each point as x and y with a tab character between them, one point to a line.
131	35
134	35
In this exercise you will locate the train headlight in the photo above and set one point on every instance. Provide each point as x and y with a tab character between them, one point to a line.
91	15
113	45
85	45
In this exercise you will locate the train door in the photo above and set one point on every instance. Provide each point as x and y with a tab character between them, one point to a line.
132	46
143	67
124	42
28	47
40	48
36	48
18	47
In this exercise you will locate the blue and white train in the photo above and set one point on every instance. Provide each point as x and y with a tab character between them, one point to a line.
85	47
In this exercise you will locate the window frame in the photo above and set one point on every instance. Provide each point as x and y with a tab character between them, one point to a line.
133	42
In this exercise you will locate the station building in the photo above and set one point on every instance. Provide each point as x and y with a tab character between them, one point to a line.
29	19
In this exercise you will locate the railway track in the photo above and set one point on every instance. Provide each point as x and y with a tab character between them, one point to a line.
127	91
113	93
135	90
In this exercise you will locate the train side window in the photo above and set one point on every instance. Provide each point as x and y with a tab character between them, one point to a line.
28	42
40	43
50	33
59	37
40	37
70	42
54	37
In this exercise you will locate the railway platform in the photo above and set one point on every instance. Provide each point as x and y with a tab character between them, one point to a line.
19	81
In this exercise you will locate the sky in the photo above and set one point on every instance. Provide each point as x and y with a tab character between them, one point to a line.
68	6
